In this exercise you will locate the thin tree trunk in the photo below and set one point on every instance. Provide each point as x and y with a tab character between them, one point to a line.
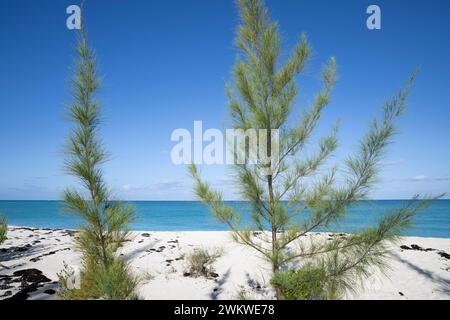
275	264
100	230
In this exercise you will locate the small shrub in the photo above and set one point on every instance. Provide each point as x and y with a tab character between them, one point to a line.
3	229
117	282
200	262
68	286
242	294
114	283
307	283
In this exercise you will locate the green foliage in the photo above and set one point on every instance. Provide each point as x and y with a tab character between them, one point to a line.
262	97
200	262
242	294
116	282
67	283
332	268
106	222
307	283
3	229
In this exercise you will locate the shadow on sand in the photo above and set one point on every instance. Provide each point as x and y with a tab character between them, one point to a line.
444	284
218	289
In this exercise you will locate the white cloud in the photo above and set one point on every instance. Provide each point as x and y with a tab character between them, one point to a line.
420	178
155	187
392	162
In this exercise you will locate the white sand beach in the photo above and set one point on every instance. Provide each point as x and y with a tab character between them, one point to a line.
420	272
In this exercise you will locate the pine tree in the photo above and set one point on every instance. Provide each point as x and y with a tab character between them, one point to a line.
262	97
3	229
105	229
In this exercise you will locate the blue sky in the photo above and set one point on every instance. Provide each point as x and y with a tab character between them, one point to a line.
164	65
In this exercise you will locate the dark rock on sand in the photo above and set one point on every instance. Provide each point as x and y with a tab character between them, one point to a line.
70	233
160	249
145	235
24	228
30	280
35	259
186	274
31	275
5	282
23	293
7	293
50	291
443	254
416	247
5	287
15	249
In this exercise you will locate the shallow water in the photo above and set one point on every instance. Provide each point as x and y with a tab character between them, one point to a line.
193	216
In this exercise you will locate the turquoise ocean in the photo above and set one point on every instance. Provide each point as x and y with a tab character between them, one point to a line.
194	216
